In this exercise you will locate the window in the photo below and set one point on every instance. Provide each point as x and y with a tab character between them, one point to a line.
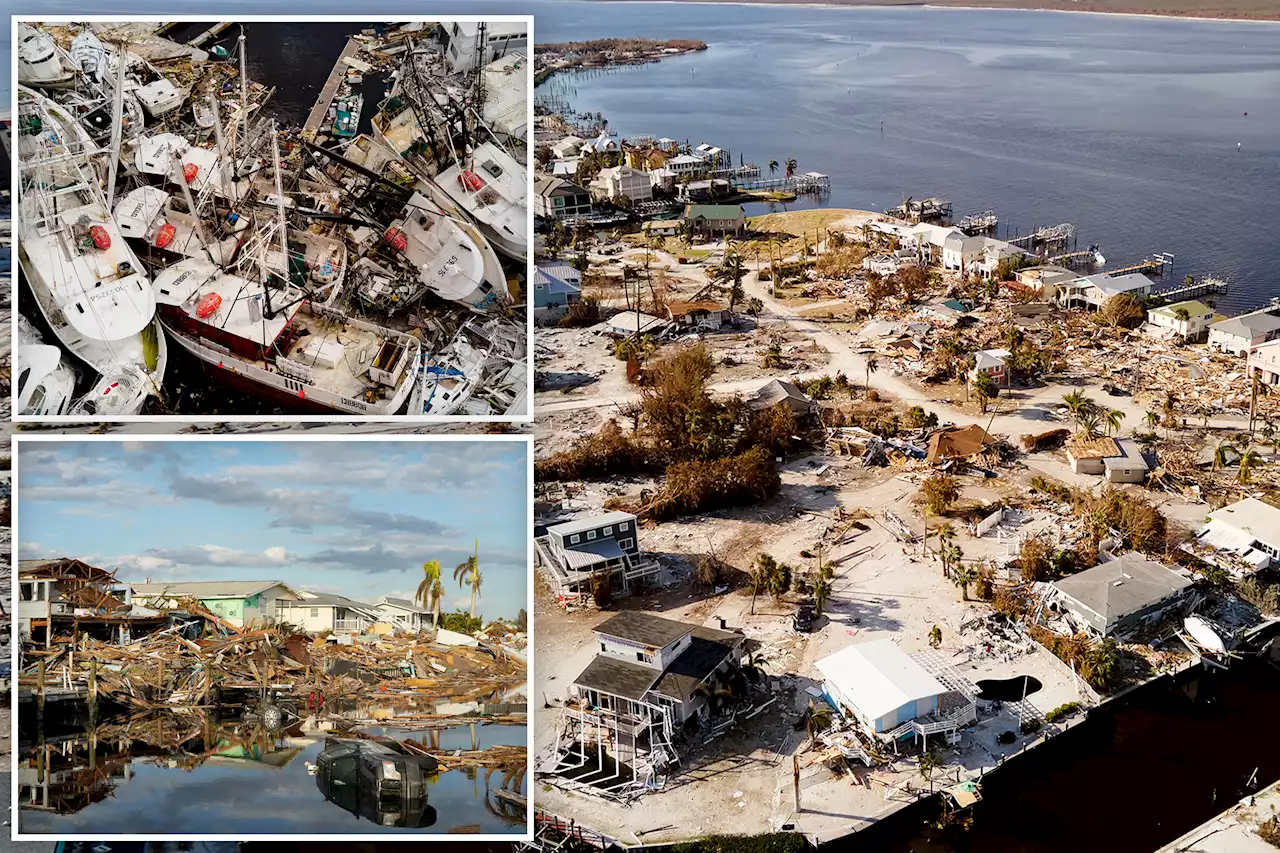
608	531
575	539
624	544
591	534
315	611
644	658
624	525
603	647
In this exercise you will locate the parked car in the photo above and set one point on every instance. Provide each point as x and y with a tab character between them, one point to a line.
802	619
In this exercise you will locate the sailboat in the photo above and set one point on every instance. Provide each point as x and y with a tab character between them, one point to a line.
275	339
41	63
87	282
492	189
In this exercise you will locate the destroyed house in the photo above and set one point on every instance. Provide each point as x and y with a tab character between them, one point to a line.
958	443
1243	537
315	612
777	391
575	553
63	596
1119	460
645	663
1118	597
238	602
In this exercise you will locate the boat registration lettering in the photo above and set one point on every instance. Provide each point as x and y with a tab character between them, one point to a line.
445	269
109	293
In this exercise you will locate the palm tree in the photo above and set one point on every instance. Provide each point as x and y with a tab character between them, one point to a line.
1089	425
1077	403
821	592
773	167
731	271
791	166
946	535
962	576
1111	420
467	573
871	365
430	592
1152	419
1248	460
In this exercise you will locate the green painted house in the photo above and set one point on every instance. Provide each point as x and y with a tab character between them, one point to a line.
239	602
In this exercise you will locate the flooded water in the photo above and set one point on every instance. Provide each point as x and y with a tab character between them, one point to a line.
184	773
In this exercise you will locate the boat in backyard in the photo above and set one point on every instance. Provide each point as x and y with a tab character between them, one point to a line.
87	282
277	344
492	189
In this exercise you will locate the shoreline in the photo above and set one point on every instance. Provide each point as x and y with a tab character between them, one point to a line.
1262	17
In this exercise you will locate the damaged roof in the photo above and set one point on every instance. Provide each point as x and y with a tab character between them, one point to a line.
958	443
776	391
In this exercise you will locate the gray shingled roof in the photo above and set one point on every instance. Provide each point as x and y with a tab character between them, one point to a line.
708	648
643	628
617	677
1249	325
1120	587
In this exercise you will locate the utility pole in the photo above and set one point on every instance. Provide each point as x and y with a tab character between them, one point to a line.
795	776
1253	402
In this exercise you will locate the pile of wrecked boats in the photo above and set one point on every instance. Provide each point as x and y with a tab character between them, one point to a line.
363	278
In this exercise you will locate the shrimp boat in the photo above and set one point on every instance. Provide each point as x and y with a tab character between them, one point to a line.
87	281
448	380
271	338
149	217
41	63
492	191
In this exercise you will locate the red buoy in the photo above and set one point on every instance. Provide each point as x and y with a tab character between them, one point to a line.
471	181
189	172
101	239
165	235
208	305
396	238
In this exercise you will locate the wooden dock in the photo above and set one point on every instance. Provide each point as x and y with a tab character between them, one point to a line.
208	34
1150	265
330	89
1193	291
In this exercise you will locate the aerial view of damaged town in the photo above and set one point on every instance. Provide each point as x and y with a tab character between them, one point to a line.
907	471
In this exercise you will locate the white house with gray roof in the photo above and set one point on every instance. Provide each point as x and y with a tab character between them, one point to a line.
1242	538
403	614
1116	598
1239	335
325	612
574	553
1093	291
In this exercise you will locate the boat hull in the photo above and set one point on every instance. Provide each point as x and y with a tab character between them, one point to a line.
256	381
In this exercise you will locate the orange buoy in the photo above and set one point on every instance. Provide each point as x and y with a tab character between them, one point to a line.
471	181
165	235
189	172
302	393
396	238
101	239
208	305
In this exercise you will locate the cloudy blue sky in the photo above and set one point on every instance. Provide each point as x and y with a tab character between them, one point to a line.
356	518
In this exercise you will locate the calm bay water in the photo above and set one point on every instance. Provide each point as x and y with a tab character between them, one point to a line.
1126	127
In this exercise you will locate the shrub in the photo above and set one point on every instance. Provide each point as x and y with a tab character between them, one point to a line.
772	842
939	492
1265	597
584	312
1034	556
607	454
1269	831
699	486
1062	712
984	585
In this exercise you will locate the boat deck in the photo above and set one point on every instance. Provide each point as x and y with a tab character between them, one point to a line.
338	355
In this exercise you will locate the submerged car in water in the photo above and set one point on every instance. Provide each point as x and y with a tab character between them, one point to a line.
376	781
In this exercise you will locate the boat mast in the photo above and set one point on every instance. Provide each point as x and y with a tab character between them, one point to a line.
244	88
275	167
223	159
191	205
117	120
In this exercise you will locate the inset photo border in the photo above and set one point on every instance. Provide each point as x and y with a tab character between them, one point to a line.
237	637
169	271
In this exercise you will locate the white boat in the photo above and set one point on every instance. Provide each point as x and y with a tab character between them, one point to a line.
87	282
147	216
278	345
448	257
158	95
203	115
45	385
90	55
41	63
172	157
448	379
1205	634
492	189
